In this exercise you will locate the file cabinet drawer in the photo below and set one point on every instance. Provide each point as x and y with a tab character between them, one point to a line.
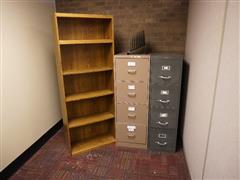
162	139
163	118
164	97
132	70
166	70
132	92
131	133
132	113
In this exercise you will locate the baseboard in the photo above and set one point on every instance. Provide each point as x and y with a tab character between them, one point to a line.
17	163
186	160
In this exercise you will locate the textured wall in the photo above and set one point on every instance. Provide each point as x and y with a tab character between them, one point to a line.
164	21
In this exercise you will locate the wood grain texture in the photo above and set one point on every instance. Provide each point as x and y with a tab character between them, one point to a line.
96	41
86	57
84	29
91	144
87	16
90	119
86	71
89	82
90	132
85	48
60	80
86	107
88	95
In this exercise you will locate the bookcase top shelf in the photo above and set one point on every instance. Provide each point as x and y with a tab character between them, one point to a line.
87	16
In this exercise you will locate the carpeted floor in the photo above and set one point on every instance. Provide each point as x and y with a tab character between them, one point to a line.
53	161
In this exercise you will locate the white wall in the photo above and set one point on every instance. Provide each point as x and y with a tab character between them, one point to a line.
210	136
1	164
204	31
29	84
222	155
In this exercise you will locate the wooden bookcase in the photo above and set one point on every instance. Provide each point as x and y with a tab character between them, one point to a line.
84	49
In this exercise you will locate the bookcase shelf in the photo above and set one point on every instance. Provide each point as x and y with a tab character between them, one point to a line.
89	144
84	50
90	119
96	41
88	95
86	71
85	16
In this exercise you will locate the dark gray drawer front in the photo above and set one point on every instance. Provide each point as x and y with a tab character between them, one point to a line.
163	118
162	139
164	97
166	72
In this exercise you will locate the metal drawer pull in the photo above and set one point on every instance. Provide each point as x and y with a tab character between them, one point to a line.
165	77
161	144
132	115
132	94
131	135
162	123
132	71
163	101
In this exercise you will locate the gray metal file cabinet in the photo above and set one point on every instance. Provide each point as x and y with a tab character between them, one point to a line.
132	99
164	92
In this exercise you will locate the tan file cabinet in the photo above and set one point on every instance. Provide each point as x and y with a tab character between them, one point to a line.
132	92
132	113
131	133
132	68
132	97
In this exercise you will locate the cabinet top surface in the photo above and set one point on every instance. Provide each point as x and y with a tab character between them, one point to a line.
147	56
166	56
75	15
132	56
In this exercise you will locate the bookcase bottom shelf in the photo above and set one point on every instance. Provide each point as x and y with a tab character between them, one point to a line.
89	144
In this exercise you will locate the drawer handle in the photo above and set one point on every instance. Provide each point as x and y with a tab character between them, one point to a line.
163	101
133	94
132	71
161	144
132	116
165	77
162	123
131	135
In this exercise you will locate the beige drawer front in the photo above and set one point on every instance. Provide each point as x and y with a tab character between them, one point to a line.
132	92
132	113
132	70
131	133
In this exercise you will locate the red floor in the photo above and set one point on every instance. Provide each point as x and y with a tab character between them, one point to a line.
53	161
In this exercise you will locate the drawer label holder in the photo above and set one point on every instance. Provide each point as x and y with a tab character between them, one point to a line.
162	136
131	64
131	128
131	108
166	68
164	92
131	87
163	115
